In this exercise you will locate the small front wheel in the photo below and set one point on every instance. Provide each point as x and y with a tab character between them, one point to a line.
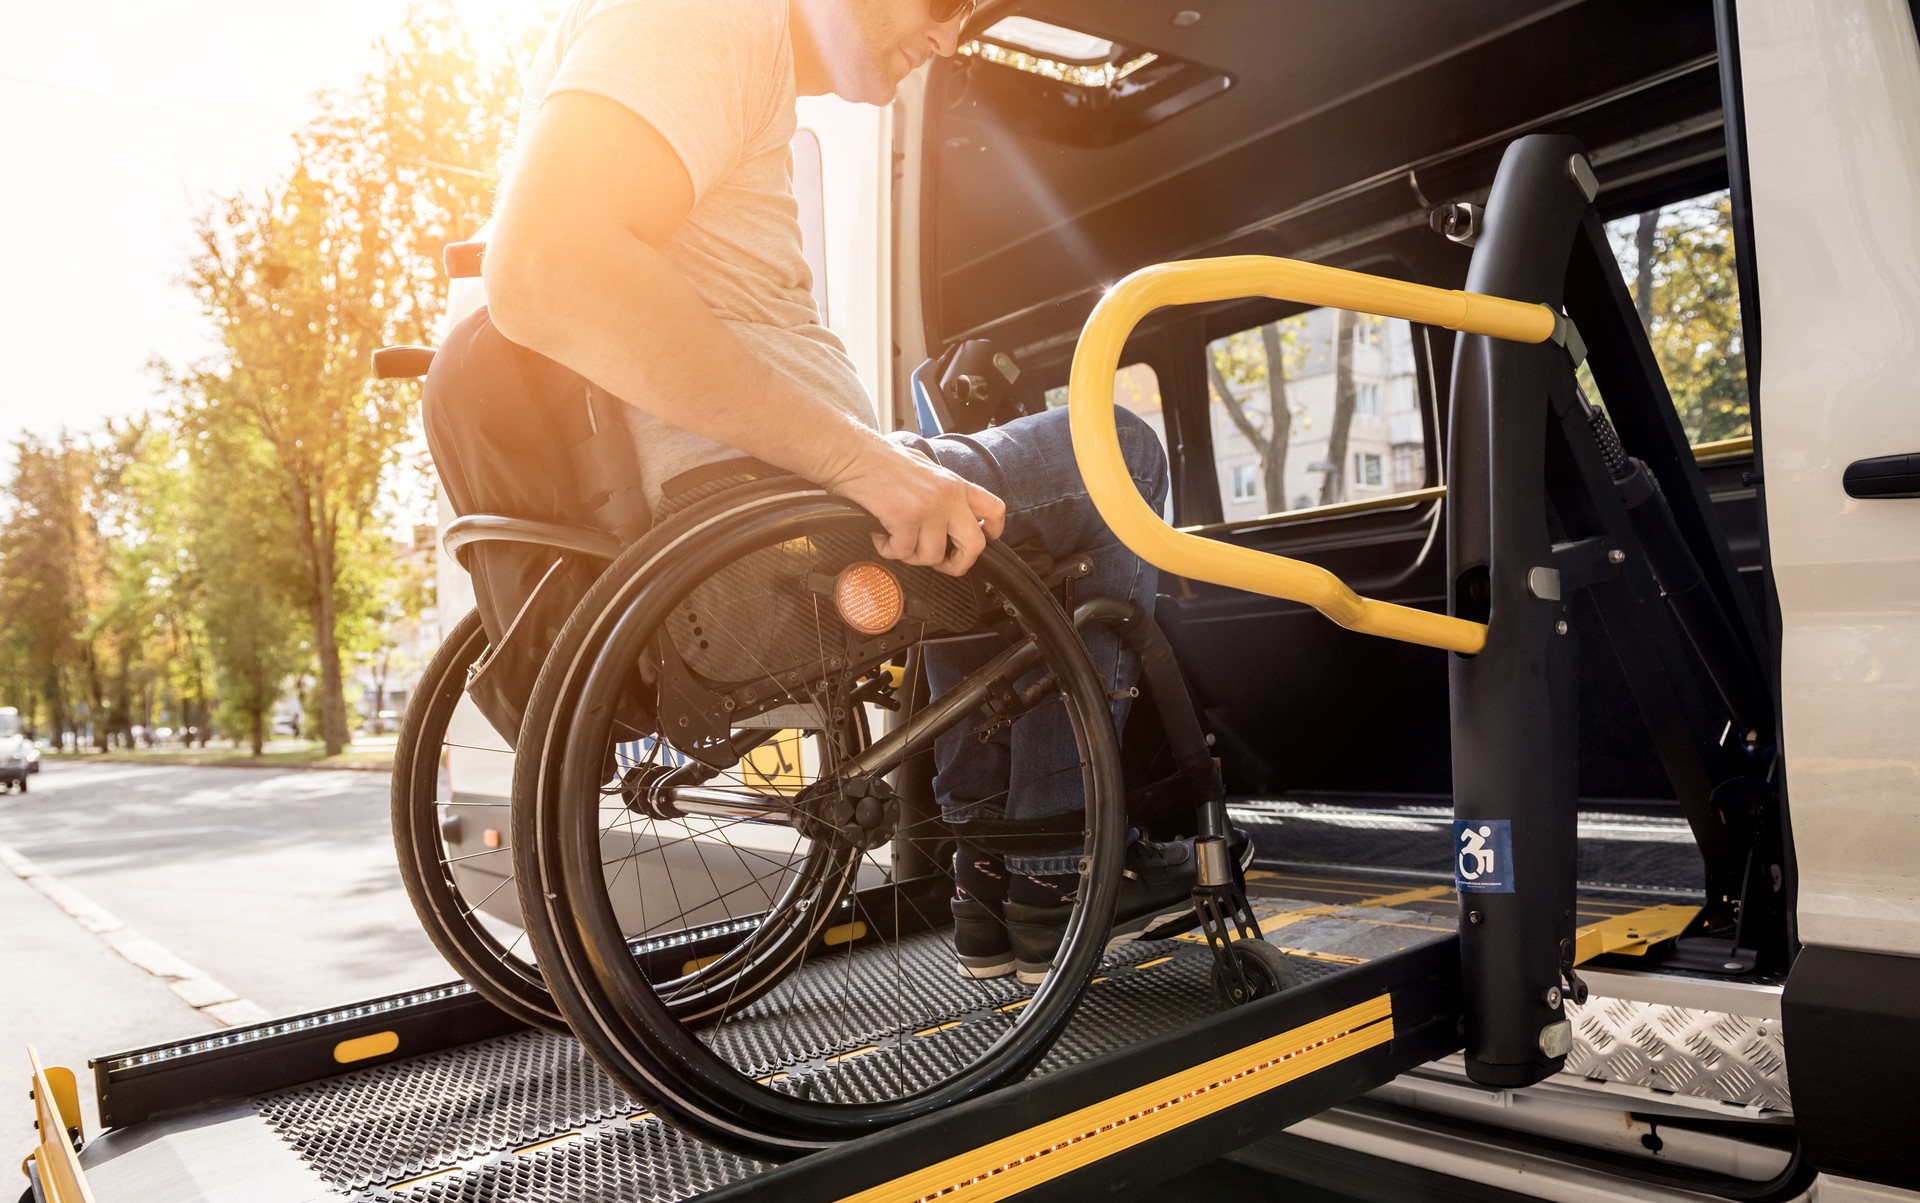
1251	969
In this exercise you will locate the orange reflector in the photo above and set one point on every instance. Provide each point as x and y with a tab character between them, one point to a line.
362	1047
491	837
869	598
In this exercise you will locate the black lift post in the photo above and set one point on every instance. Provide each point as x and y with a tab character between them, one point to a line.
1551	497
1515	717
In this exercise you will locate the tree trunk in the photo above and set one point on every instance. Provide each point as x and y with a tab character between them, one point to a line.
261	703
318	534
333	698
1273	457
1643	258
57	702
99	718
1334	487
1237	412
196	700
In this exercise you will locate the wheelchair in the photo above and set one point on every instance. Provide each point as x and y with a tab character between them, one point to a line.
723	844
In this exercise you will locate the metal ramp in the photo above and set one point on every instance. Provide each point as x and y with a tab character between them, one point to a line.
453	1103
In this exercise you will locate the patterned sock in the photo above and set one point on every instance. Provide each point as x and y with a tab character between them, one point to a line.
978	874
1046	889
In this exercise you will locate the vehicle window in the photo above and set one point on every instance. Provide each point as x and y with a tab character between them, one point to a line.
1136	387
9	724
1351	428
1678	262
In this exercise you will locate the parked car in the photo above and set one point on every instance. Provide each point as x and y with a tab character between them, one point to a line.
18	756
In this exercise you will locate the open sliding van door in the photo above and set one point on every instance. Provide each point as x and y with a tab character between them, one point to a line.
1832	122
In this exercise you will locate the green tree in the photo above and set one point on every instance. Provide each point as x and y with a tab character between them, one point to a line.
51	575
248	573
303	283
159	561
1692	309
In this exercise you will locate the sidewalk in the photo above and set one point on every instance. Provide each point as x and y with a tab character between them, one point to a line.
372	753
71	996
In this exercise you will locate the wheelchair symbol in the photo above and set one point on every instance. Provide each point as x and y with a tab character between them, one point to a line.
1476	859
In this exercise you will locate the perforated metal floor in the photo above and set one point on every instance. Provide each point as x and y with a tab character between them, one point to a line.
530	1117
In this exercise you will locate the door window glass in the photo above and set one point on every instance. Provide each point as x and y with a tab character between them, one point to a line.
1345	387
1678	262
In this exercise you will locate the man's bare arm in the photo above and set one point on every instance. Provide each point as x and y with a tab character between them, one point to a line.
573	272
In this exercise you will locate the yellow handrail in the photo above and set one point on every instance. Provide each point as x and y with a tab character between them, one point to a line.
1096	437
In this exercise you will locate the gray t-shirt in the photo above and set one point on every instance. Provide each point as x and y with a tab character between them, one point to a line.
715	78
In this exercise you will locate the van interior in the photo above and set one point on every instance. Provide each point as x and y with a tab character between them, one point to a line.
1330	133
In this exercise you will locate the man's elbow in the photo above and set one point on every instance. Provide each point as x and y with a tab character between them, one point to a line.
523	298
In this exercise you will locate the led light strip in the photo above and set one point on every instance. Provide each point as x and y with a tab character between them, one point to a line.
1046	1151
1084	75
287	1026
307	1023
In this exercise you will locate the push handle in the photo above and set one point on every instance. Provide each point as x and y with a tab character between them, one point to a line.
463	259
1096	437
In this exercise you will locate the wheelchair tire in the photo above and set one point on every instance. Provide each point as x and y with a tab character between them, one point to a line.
501	972
707	1069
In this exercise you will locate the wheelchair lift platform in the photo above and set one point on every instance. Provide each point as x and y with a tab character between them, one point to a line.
435	1097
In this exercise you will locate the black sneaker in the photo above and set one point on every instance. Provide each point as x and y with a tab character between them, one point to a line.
980	940
1158	870
1156	901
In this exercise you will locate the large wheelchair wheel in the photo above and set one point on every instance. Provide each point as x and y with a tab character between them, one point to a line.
452	885
831	938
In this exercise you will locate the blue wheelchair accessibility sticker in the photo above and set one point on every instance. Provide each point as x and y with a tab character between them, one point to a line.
1483	856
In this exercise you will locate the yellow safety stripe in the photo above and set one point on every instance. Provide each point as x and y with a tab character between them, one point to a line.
1096	438
56	1107
1046	1151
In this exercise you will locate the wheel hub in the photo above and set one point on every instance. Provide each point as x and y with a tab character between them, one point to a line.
861	813
644	788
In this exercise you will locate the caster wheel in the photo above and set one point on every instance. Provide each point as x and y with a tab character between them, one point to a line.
1266	969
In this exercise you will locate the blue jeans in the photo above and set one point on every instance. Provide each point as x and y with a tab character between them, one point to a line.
1031	770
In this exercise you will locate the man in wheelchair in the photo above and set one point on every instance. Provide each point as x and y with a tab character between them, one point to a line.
647	249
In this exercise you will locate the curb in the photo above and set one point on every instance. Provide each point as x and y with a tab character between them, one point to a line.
193	986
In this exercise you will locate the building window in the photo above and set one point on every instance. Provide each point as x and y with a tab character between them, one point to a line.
1246	482
1366	401
1366	469
1367	332
1409	470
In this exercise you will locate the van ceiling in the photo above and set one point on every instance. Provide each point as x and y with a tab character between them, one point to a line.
1343	117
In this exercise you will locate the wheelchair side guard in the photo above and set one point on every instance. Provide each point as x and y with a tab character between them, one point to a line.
765	633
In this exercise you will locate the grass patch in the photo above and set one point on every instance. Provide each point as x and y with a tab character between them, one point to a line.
376	758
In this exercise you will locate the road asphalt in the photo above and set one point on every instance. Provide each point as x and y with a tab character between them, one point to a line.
140	904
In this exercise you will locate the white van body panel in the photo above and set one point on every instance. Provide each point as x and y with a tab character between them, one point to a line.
1833	133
